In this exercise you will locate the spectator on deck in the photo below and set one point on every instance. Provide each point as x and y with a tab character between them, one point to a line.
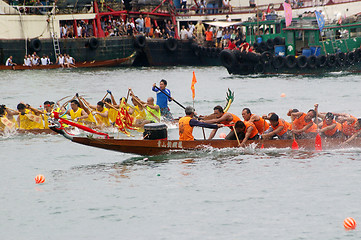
157	32
140	24
148	25
209	37
183	33
169	29
199	29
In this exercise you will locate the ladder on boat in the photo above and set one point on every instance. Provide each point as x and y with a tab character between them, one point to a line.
54	36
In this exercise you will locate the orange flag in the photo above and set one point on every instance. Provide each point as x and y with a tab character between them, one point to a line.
194	80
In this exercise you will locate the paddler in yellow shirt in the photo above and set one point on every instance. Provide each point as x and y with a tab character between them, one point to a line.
100	114
24	121
5	123
76	113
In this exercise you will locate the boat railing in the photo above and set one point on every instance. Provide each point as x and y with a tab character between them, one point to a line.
26	10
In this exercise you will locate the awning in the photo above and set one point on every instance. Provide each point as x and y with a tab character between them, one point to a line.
223	24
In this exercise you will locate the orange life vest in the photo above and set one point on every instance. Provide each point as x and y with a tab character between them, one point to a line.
331	132
209	36
286	126
233	121
348	129
300	123
261	125
185	130
254	131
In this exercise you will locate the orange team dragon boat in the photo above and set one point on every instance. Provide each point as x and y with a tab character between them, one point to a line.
156	143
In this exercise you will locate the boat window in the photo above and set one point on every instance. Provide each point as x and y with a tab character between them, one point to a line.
358	30
329	35
272	29
278	28
353	33
311	37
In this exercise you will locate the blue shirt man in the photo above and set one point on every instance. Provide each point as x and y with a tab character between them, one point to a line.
162	99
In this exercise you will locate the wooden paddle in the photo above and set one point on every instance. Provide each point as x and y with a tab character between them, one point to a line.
318	141
235	133
170	97
294	143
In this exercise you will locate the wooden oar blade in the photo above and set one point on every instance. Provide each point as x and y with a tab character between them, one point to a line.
318	143
294	145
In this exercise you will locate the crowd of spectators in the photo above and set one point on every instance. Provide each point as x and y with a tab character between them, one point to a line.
117	26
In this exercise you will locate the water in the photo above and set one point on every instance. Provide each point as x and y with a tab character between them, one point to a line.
92	193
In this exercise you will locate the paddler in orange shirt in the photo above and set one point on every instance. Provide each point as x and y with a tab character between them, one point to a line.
357	131
260	123
347	123
245	131
303	125
279	127
222	118
187	123
329	127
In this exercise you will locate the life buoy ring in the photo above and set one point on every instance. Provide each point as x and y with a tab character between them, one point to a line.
302	61
331	60
312	61
270	44
171	44
321	61
358	54
341	58
259	68
278	62
228	59
93	43
290	61
139	41
266	57
277	41
350	56
35	45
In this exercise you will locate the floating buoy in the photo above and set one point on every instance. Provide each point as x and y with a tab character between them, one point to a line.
39	179
222	135
283	95
349	223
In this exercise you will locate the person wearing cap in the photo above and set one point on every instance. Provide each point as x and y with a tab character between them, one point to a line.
329	127
163	99
187	123
278	127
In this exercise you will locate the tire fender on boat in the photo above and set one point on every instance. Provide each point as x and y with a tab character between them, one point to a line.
341	58
358	55
278	41
266	57
35	45
228	59
321	61
270	44
139	41
302	61
259	68
263	47
312	61
350	56
93	43
171	44
290	61
278	62
331	60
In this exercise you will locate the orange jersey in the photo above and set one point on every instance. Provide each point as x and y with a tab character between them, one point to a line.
348	129
185	130
331	132
285	126
300	123
147	22
254	131
209	36
261	125
233	121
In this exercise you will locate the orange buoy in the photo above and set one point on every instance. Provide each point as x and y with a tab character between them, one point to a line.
283	95
222	135
349	223
39	179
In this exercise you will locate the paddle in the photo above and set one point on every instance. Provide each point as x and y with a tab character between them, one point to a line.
318	142
235	133
294	143
170	97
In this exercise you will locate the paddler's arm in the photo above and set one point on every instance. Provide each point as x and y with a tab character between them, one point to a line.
88	104
104	114
254	118
304	129
36	111
330	127
156	107
154	89
274	132
84	115
225	117
355	135
112	97
195	123
248	133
